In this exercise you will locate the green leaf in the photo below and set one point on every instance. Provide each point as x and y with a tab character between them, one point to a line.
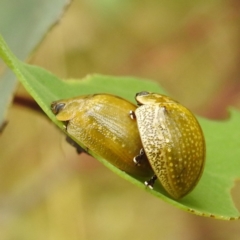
23	37
211	197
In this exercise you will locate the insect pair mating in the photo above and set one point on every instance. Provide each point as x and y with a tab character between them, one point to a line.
159	135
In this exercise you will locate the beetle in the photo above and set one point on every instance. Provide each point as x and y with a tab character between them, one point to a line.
102	124
173	142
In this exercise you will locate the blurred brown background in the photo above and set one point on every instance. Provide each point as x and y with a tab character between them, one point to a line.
49	192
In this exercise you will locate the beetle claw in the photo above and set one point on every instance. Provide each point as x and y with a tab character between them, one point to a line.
132	115
140	158
151	182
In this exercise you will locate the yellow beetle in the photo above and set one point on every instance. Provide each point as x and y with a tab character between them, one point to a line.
102	124
173	142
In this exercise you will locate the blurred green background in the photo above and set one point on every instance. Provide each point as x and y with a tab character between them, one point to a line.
49	192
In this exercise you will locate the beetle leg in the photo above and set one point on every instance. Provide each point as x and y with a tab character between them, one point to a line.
140	158
75	145
151	182
132	115
4	124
